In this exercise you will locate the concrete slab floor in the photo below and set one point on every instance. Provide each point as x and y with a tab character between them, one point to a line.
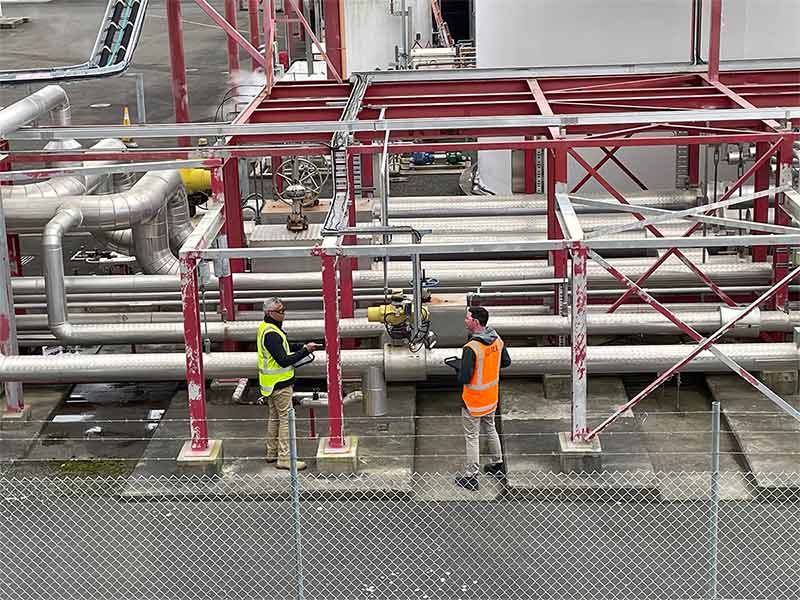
18	443
767	437
676	428
531	424
385	448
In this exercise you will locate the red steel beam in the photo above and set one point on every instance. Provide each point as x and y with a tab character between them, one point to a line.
714	40
703	345
234	37
255	32
663	258
654	230
233	49
736	98
268	22
334	35
177	61
310	33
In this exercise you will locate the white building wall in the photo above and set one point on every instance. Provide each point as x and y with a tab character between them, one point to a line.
371	32
523	33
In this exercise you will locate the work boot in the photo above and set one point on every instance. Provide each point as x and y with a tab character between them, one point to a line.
286	465
468	482
272	459
496	470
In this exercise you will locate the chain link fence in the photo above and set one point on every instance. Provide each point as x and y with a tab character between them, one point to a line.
534	535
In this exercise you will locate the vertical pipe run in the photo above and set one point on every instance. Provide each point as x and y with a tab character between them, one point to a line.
556	173
714	40
713	525
255	33
781	258
346	303
578	319
233	47
306	8
180	91
192	334
226	306
332	349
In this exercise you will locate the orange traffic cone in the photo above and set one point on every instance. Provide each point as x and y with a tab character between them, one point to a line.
126	121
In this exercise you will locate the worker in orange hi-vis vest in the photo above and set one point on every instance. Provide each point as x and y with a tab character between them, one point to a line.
482	357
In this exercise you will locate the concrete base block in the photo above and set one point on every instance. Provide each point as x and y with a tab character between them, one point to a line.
783	383
557	387
15	419
335	461
207	462
578	456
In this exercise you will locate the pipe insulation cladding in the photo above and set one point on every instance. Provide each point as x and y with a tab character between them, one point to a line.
398	363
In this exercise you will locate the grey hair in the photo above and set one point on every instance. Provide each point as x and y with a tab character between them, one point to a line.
270	302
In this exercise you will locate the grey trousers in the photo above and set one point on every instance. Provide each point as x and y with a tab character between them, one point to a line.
474	427
279	402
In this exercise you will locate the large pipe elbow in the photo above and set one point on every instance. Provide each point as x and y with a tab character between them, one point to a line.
36	105
65	220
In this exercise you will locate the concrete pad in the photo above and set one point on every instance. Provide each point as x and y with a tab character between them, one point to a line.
338	461
579	456
15	419
202	462
768	437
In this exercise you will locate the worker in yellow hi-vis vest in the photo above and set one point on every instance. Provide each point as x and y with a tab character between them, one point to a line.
482	357
277	360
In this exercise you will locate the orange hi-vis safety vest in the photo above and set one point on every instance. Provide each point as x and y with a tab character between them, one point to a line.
481	393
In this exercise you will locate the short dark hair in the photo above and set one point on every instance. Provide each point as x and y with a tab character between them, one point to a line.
480	314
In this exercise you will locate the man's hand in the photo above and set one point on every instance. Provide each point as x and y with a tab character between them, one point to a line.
311	346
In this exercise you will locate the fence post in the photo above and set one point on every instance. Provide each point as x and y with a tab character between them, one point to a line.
298	544
714	498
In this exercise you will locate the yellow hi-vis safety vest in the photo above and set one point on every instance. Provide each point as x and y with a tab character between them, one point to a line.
481	393
269	371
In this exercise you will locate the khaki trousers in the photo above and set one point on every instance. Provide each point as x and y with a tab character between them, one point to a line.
279	403
474	427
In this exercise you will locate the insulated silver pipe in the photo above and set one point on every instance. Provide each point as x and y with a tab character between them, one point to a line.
151	246
399	364
38	104
486	206
468	276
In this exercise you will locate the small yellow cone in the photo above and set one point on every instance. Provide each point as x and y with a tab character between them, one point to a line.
126	121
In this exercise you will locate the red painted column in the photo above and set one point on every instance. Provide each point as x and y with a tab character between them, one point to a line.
367	176
234	226
269	35
195	375
761	205
255	33
333	36
333	351
180	90
714	40
233	47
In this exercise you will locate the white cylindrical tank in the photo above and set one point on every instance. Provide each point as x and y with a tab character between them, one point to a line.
372	31
526	33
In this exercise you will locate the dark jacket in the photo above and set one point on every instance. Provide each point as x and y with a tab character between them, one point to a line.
486	337
273	344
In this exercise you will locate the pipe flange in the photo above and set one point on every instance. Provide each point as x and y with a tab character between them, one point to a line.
401	364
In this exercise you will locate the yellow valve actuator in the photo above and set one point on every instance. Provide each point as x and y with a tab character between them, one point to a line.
196	180
389	313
